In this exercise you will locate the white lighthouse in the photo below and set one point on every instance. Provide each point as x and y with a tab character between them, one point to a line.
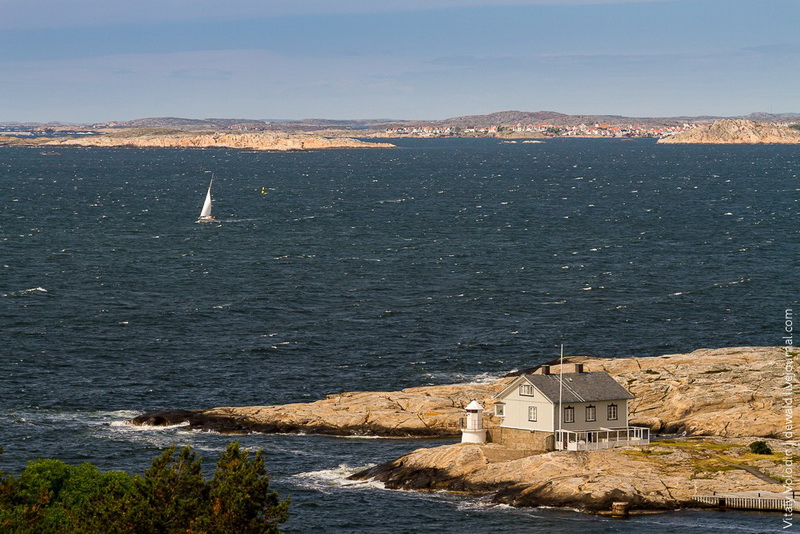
472	429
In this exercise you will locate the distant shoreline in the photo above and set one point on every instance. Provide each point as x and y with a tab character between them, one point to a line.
725	132
258	141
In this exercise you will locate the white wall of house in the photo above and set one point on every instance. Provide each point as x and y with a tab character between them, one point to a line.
517	410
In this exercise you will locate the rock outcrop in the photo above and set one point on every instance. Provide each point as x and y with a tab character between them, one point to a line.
247	141
663	476
422	411
723	392
736	132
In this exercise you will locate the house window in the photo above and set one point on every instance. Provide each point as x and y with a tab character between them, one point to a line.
532	413
526	389
569	414
591	413
612	412
499	409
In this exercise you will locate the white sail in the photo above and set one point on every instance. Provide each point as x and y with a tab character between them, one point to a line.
205	213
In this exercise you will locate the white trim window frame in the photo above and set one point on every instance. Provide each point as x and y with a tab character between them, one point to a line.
526	390
569	414
532	414
613	412
591	413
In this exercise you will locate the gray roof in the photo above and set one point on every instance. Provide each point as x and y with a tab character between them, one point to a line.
580	387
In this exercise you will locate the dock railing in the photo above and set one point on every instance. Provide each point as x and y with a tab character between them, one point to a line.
752	500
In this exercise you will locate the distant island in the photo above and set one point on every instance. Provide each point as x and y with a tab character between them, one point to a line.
737	132
320	133
149	138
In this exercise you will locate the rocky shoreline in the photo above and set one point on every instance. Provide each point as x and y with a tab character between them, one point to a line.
659	477
719	399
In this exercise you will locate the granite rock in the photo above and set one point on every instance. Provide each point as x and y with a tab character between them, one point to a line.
724	392
666	479
735	131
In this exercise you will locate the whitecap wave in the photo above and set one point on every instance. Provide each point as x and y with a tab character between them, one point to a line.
463	379
23	292
485	378
148	428
336	477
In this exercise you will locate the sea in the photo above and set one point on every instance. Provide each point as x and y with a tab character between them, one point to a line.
439	261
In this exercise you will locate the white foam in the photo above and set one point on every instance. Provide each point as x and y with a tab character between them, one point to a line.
464	379
31	291
363	436
337	477
485	378
148	428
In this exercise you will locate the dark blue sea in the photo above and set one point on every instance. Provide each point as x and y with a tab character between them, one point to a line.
440	261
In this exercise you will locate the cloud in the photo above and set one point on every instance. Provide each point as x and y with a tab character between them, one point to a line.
783	49
204	74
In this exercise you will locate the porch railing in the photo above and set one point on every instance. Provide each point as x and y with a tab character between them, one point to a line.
601	438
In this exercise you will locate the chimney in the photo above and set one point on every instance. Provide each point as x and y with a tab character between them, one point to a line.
578	367
545	369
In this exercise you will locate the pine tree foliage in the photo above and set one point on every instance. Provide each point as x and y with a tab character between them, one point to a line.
171	496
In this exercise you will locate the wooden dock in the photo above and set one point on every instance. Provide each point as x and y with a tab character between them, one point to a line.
752	500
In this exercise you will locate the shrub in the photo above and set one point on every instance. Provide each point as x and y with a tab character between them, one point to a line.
760	447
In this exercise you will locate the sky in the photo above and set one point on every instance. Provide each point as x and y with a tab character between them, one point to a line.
111	60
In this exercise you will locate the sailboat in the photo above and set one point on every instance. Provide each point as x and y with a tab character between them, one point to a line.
205	213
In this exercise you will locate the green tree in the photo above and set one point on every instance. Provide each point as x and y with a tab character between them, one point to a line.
170	497
240	499
170	494
49	495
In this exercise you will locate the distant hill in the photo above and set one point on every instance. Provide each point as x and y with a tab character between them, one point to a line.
509	117
500	118
562	119
180	123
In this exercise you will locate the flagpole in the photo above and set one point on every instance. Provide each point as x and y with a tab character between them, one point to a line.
560	389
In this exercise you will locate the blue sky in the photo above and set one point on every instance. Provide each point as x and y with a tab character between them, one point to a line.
103	60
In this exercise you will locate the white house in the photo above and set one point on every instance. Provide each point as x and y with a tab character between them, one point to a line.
573	411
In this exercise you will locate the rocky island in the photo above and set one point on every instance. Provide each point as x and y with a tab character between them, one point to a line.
144	138
661	476
737	132
728	392
718	400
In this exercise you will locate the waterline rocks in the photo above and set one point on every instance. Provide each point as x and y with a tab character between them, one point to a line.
663	476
